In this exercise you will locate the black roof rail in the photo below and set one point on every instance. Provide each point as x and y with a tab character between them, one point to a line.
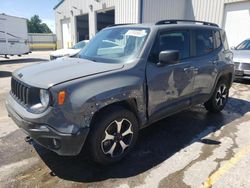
161	22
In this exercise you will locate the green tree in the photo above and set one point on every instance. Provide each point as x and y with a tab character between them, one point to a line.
35	25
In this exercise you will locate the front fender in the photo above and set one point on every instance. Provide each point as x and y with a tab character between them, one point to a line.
87	97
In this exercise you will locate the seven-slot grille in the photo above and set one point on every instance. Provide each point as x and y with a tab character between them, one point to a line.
20	91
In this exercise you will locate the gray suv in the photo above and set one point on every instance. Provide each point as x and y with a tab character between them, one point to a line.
101	99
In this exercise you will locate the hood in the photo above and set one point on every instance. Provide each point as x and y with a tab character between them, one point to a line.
65	52
45	75
242	56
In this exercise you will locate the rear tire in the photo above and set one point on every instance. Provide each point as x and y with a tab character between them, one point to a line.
219	98
113	135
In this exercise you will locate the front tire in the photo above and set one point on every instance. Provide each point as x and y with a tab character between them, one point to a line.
113	135
219	98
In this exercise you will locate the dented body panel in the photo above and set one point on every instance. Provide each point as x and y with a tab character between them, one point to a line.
155	91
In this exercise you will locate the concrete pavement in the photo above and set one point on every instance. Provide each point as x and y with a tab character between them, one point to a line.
190	149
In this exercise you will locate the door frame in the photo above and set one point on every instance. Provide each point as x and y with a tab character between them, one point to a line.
62	22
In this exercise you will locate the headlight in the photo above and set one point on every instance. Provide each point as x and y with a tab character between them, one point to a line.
44	97
43	103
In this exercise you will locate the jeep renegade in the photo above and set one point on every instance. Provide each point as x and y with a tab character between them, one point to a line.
126	78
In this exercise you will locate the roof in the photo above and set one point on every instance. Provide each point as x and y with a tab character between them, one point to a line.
58	4
3	14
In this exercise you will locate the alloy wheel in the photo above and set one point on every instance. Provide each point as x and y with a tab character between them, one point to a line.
221	95
117	138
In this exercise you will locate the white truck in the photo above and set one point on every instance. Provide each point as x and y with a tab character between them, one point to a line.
13	36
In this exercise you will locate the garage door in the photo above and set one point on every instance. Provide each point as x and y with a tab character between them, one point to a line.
66	34
237	22
82	26
105	19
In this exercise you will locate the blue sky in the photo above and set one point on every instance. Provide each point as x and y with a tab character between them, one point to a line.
27	8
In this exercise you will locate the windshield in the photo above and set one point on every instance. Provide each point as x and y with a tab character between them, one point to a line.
115	45
80	45
245	45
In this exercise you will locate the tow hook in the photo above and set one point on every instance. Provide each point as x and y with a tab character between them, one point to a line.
28	139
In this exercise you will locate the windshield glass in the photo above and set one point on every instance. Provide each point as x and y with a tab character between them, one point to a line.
115	45
245	45
79	45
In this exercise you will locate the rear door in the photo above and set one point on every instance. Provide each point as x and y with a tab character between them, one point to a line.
170	87
207	45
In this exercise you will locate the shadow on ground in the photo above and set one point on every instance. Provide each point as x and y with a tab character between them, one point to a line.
242	81
155	144
5	74
20	61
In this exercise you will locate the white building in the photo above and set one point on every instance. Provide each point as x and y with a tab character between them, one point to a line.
79	19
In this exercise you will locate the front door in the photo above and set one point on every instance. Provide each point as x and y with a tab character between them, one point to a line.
170	87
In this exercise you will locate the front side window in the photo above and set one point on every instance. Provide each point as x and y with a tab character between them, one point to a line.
172	40
204	42
245	45
115	45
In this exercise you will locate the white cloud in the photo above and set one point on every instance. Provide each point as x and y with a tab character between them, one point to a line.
50	23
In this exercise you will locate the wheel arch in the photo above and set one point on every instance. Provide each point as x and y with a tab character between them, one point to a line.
224	75
227	76
129	104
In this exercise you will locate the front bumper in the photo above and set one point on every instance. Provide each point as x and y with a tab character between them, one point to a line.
242	74
242	70
66	144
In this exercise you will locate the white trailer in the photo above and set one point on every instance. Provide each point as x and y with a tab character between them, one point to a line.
13	36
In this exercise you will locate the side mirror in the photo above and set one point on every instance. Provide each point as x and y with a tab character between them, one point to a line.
169	57
233	48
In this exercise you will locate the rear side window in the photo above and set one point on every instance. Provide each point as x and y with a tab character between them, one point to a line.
178	40
224	40
204	42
